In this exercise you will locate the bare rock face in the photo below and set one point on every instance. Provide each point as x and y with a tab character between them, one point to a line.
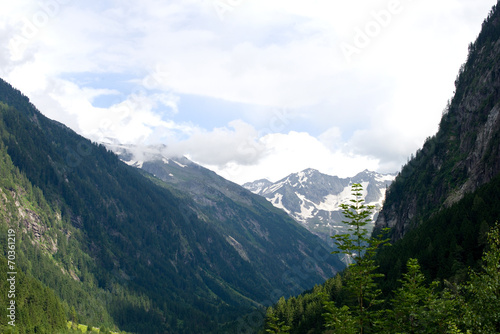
465	153
19	213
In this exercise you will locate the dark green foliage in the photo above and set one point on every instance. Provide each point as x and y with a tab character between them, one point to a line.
482	291
416	307
275	326
304	312
449	243
339	320
37	309
411	302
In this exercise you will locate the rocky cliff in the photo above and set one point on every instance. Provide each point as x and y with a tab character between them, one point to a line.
464	154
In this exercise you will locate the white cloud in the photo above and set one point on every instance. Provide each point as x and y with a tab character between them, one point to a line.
267	55
293	152
220	147
331	138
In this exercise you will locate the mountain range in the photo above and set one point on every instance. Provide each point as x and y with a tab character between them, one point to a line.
309	197
211	192
183	252
313	199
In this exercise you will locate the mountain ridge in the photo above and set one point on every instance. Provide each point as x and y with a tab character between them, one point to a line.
313	199
183	175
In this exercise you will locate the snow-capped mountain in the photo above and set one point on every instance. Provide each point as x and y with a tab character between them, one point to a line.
313	199
136	156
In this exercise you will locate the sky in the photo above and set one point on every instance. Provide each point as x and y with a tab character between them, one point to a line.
251	89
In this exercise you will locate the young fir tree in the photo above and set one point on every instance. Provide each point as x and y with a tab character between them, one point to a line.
340	320
274	325
360	276
417	308
482	292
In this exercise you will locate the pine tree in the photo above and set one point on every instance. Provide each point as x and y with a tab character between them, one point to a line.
416	307
482	293
73	316
358	246
274	325
340	320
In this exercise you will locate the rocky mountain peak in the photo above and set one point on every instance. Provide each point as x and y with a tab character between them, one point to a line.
313	199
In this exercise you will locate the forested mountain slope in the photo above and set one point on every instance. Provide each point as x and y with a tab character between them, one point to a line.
29	304
464	154
123	250
228	205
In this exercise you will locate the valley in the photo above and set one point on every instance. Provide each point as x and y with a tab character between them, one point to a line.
133	237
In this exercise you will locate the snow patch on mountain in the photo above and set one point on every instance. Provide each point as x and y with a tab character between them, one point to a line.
135	163
277	201
302	178
386	177
274	188
332	202
306	208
